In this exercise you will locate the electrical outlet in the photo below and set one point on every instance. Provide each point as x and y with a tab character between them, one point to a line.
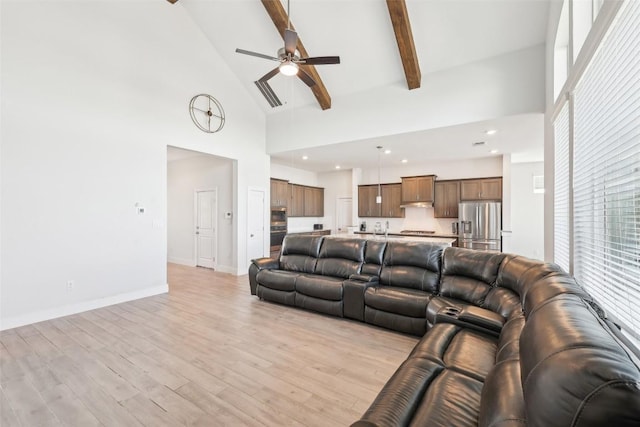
70	284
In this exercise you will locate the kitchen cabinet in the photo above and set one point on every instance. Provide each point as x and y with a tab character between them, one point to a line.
417	189
313	201
391	201
390	206
296	202
481	189
305	201
367	206
279	193
446	199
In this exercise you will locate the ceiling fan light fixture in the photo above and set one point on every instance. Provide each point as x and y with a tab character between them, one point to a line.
288	68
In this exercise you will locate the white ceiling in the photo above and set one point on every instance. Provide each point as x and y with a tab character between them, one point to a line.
447	33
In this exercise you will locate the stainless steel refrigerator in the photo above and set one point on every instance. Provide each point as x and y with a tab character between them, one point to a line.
480	225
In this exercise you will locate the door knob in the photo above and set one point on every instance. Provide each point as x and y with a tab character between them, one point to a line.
251	235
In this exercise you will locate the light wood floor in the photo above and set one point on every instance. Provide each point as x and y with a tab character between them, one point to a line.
207	353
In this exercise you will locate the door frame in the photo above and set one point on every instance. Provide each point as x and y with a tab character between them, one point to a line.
195	223
265	224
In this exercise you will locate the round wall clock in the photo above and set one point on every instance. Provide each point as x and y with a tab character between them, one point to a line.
207	113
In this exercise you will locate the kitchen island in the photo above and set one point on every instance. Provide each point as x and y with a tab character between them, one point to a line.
446	239
397	237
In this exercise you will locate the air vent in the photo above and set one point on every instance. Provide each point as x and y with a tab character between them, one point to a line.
538	183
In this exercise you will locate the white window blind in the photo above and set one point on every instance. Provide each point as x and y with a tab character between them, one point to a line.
607	171
561	189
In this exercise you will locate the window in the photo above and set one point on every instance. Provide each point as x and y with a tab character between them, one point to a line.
562	236
606	164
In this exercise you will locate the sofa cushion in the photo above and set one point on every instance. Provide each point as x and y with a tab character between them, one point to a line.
373	257
328	288
300	252
509	342
573	371
412	265
408	302
469	274
277	279
464	350
518	272
340	257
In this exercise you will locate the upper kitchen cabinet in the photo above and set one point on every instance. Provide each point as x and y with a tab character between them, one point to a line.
367	206
481	189
417	189
305	201
391	200
447	197
313	201
296	203
279	193
390	206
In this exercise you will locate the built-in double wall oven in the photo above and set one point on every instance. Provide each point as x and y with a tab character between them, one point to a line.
278	226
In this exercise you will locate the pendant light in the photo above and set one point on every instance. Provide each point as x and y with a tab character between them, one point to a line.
379	196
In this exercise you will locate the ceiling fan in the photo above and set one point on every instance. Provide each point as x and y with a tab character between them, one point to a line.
290	62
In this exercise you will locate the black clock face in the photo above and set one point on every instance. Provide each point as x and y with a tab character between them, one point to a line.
207	113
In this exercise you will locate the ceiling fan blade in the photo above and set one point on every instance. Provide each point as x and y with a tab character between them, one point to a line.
290	41
268	93
306	78
259	55
269	75
319	60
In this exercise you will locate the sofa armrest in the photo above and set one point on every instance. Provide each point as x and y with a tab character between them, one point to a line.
255	267
266	263
472	317
364	277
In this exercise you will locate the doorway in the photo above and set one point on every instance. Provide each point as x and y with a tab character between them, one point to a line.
256	220
344	206
206	209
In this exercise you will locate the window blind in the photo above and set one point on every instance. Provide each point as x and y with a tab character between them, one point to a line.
607	171
561	189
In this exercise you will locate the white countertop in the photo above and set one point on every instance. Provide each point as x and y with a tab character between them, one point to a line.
444	241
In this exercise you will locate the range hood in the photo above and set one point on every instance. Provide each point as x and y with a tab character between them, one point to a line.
417	205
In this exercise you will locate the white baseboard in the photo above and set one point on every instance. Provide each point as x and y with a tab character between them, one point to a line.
226	269
52	313
182	261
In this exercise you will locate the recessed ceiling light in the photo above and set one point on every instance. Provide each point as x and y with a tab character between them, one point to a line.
491	132
305	157
404	160
337	166
387	151
493	151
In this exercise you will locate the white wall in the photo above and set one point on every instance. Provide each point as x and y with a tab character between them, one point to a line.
527	211
497	87
184	177
91	98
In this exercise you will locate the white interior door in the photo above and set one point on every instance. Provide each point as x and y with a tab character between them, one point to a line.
343	214
206	239
255	231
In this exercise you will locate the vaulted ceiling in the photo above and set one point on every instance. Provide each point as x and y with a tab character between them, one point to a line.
370	37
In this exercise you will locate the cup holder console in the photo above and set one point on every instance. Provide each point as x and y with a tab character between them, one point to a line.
472	317
450	311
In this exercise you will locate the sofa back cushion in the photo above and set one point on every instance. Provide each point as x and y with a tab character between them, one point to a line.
413	265
518	272
340	257
574	371
469	274
373	257
300	252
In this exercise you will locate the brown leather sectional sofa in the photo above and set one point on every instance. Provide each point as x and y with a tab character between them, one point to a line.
506	341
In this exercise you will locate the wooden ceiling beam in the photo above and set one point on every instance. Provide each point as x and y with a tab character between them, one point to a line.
404	37
278	15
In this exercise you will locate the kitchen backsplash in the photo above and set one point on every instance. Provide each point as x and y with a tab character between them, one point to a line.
415	219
